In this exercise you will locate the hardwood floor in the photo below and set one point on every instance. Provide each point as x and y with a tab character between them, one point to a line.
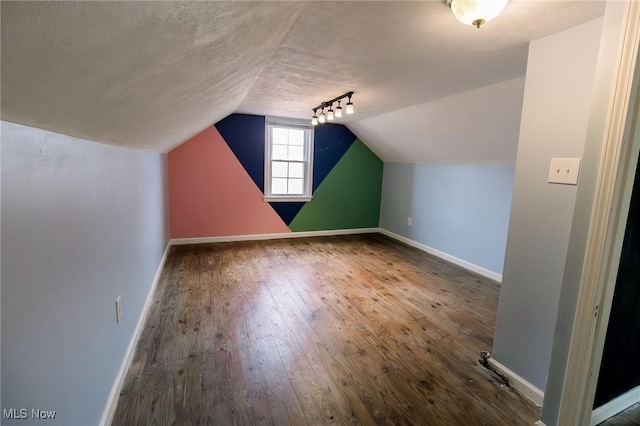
628	417
332	330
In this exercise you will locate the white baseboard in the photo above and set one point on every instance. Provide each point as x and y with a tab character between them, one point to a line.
518	383
615	406
449	258
112	402
256	237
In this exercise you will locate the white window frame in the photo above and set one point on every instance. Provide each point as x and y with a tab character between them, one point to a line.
271	122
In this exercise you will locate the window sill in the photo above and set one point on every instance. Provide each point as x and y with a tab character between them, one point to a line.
287	199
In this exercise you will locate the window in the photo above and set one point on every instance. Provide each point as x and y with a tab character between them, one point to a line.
288	161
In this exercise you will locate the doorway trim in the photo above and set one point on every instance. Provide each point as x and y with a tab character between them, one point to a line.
589	326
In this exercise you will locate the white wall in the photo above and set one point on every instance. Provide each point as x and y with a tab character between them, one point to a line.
82	223
558	93
460	210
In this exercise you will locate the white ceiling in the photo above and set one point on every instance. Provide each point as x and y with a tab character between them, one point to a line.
480	126
150	75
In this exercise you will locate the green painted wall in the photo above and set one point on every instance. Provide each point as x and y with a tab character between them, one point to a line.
349	197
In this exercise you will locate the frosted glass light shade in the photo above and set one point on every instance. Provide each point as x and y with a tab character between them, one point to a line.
321	117
330	115
349	108
338	113
477	12
314	120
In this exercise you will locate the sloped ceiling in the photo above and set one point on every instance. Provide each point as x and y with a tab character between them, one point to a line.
152	74
140	74
480	126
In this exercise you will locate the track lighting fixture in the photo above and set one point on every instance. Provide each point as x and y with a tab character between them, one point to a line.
331	114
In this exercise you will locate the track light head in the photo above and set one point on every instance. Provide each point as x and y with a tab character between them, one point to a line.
338	112
350	106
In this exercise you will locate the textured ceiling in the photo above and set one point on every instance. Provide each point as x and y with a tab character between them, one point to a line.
140	74
152	74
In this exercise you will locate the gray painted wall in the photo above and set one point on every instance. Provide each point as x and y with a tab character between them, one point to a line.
611	33
461	210
558	92
82	223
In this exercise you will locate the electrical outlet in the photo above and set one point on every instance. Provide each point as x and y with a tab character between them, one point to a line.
409	221
564	171
118	308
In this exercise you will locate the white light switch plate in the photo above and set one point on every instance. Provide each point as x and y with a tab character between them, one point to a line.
564	171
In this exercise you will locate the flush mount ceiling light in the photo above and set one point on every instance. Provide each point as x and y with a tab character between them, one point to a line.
331	114
476	12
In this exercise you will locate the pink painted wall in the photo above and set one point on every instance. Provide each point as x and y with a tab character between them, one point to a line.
210	193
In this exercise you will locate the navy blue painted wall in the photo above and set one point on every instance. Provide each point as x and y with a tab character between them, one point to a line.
245	136
287	211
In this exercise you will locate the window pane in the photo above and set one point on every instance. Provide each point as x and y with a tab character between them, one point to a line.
279	152
296	137
296	186
288	164
296	153
278	186
280	135
296	170
279	169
